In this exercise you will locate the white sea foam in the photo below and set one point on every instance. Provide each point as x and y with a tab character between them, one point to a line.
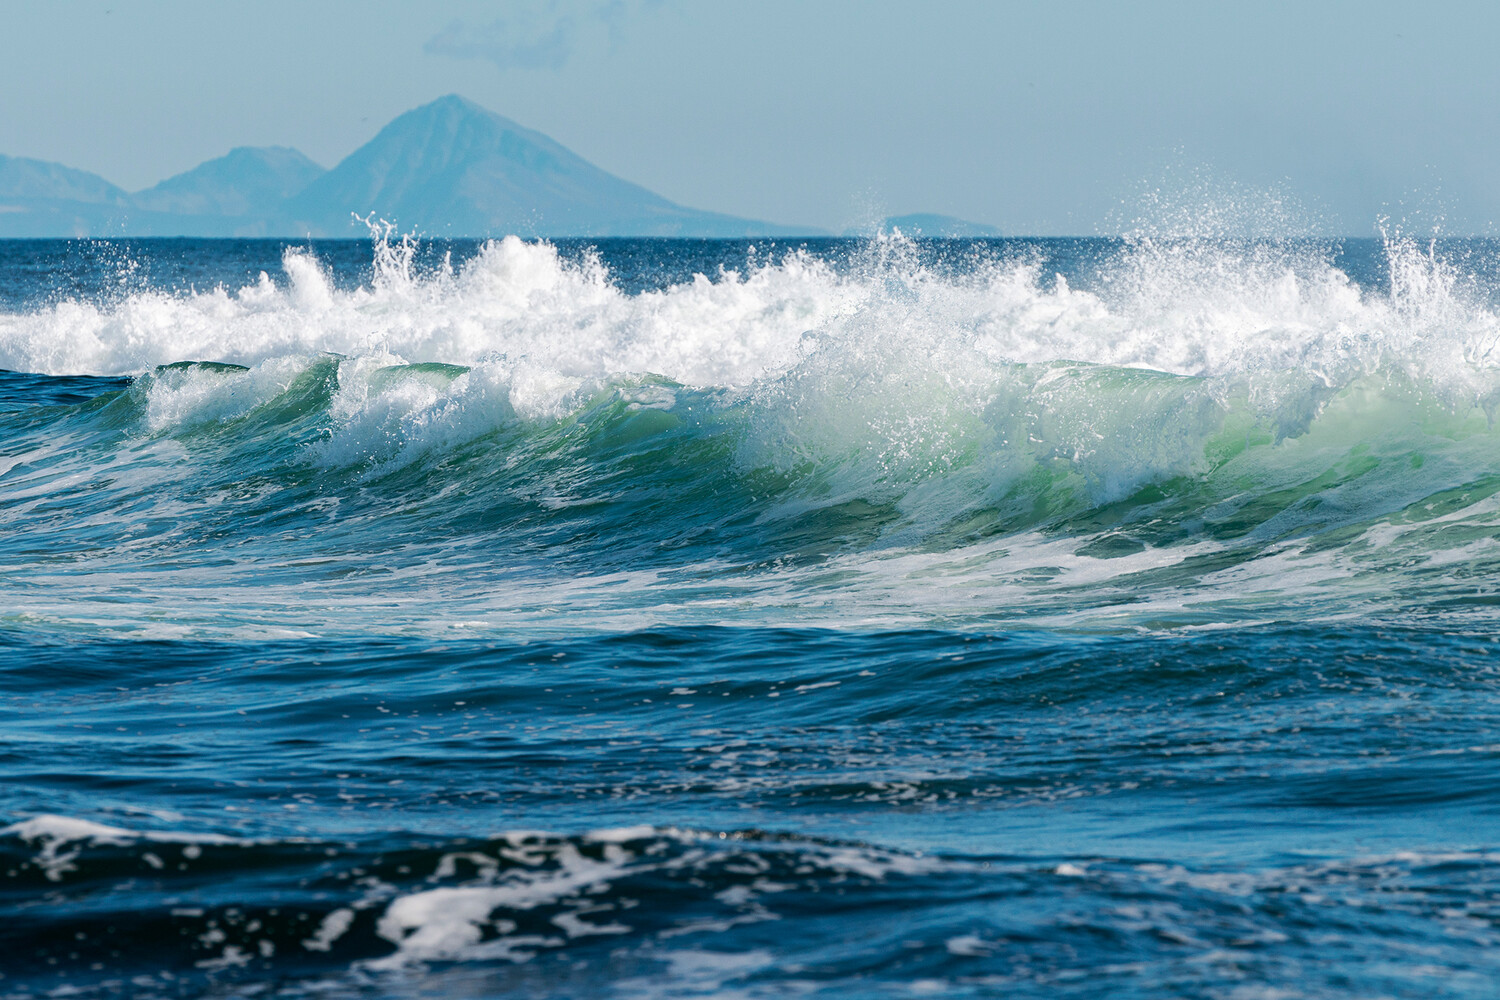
330	929
514	299
69	829
55	835
473	922
63	829
449	924
1189	307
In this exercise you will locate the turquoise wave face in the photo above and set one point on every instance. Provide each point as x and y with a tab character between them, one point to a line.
324	493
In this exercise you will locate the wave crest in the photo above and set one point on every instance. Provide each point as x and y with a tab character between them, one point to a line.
1199	418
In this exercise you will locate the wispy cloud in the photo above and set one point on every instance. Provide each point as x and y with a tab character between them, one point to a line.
531	36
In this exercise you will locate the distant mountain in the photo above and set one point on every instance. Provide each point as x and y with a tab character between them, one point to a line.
927	224
449	168
245	181
38	198
22	178
240	194
452	168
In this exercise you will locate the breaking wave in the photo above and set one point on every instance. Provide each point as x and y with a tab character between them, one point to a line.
1189	307
1188	427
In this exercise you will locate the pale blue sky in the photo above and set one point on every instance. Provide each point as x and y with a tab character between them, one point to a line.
1038	118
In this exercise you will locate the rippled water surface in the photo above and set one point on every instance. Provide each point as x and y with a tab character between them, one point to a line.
1073	618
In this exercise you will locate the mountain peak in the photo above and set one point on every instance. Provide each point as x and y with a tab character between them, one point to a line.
454	109
246	180
22	177
455	102
452	167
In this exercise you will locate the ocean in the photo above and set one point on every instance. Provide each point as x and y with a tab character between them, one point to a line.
1090	618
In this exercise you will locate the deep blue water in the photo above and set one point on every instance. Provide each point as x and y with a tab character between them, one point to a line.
1049	618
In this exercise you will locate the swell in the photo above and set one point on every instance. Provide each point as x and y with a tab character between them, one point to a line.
639	911
1271	726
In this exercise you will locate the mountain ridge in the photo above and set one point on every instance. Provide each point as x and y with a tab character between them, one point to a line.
447	168
238	183
21	177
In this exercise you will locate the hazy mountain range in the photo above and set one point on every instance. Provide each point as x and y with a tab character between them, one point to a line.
449	168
